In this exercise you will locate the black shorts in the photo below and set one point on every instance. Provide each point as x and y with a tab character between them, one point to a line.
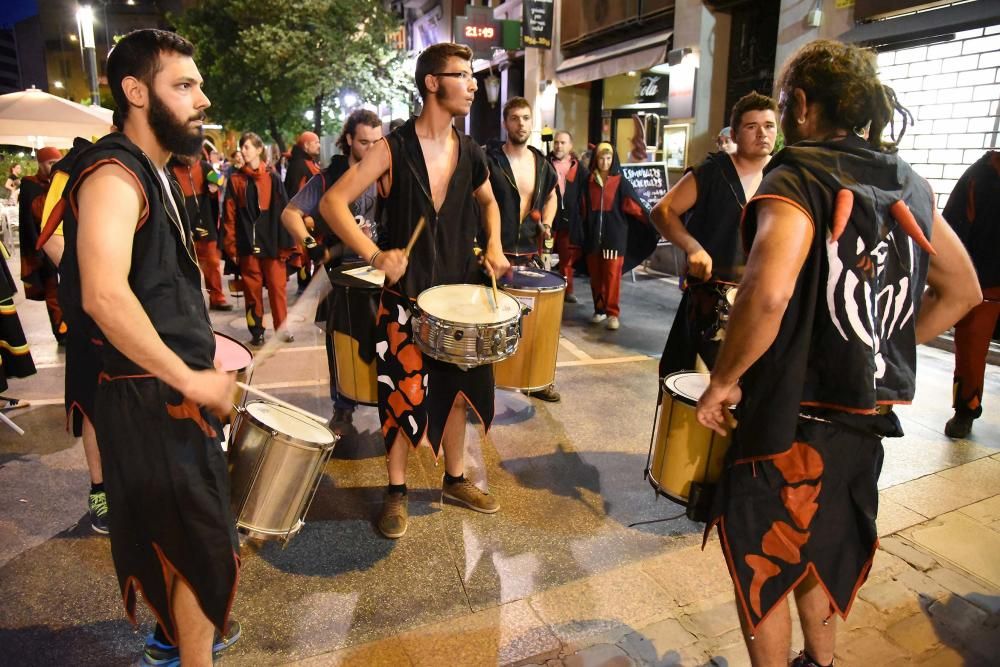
168	489
810	508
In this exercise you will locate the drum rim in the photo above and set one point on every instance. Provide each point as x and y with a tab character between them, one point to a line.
687	400
245	349
455	324
322	446
535	289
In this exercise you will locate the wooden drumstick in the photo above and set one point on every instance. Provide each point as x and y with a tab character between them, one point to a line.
496	296
416	234
268	397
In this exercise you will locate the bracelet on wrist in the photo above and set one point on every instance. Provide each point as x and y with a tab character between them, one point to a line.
371	260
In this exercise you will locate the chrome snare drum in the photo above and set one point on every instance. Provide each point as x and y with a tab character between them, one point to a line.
459	325
276	460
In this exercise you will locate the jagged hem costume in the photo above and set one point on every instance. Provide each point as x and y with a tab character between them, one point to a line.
416	392
15	355
164	470
799	491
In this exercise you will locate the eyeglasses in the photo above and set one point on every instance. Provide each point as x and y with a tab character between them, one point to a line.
462	76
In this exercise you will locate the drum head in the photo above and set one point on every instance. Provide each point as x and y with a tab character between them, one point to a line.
531	278
686	386
467	304
290	422
233	355
731	296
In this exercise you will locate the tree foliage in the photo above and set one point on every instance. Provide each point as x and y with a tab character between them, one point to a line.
266	62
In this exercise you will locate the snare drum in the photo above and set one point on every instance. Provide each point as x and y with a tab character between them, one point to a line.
534	364
276	460
350	322
233	356
684	456
458	324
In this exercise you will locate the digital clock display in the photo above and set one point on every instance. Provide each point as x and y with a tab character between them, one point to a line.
480	32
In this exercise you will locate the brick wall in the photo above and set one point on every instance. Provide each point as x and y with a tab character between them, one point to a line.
953	91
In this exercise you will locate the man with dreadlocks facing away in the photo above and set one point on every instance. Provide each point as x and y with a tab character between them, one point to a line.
842	238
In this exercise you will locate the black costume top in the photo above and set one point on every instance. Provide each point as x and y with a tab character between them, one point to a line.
301	167
973	211
569	217
443	253
516	235
617	218
714	221
847	339
253	222
36	267
164	273
197	199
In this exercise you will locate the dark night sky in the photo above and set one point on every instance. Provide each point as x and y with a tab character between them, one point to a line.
13	11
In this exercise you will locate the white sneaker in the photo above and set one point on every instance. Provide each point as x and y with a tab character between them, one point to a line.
598	318
613	323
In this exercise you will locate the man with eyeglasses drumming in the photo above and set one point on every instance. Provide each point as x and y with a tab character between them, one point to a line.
425	169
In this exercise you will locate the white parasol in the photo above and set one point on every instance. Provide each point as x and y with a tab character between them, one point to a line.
35	118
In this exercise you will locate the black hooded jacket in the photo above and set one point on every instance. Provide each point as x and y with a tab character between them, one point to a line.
616	217
301	167
518	236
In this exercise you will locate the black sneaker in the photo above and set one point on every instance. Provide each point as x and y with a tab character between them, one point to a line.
548	394
162	654
98	504
257	341
225	307
959	426
570	298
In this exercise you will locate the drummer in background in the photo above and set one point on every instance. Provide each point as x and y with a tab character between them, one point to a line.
426	169
192	172
524	184
837	214
568	225
129	268
711	196
303	221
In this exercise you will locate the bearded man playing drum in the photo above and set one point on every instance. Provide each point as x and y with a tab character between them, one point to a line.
713	194
129	267
823	340
425	169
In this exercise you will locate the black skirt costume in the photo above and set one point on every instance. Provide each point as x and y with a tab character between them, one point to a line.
714	222
15	355
799	493
415	392
164	470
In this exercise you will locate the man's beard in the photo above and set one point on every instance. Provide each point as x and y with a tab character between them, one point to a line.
450	104
518	141
172	134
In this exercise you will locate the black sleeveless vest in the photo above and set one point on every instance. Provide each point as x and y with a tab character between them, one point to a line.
164	273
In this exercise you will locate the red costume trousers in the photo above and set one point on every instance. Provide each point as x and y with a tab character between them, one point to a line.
972	343
211	269
605	283
258	273
568	254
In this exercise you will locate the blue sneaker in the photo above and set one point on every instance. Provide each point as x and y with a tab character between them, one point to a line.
162	654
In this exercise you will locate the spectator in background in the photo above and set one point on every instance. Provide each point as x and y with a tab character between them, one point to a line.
725	141
973	211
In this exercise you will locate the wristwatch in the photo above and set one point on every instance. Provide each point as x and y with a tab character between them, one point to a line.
315	251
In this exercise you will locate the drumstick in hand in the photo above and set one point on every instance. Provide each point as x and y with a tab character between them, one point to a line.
496	297
416	234
274	399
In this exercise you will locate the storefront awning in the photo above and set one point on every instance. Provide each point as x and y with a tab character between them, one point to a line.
924	25
636	55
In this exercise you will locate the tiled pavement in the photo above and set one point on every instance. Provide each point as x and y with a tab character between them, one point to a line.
570	572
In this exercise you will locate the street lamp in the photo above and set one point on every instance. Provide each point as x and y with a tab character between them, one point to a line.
85	24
